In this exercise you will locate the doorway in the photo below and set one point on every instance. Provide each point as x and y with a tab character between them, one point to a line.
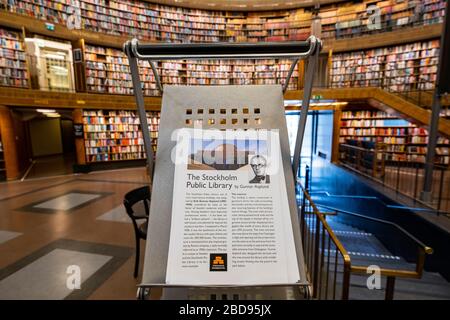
50	141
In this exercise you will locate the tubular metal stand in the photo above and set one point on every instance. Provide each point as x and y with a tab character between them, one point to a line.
294	51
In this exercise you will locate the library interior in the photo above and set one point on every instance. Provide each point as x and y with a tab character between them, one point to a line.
365	116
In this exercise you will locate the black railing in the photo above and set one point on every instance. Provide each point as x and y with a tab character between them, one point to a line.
395	238
403	176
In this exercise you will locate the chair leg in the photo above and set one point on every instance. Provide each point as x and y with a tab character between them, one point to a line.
138	252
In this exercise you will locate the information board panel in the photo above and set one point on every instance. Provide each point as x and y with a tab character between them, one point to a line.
230	213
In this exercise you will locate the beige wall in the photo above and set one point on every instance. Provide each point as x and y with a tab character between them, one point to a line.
45	137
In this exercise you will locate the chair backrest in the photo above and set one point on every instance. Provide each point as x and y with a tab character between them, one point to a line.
135	196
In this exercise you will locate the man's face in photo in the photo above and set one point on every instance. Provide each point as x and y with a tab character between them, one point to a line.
258	165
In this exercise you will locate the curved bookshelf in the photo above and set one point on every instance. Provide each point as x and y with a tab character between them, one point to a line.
155	22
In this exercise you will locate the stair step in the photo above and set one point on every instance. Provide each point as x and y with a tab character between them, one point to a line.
409	288
365	250
405	289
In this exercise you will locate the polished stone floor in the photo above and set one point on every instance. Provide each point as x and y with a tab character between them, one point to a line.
48	226
51	166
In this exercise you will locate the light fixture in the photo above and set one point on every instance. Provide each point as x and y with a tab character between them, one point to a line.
52	115
319	103
46	110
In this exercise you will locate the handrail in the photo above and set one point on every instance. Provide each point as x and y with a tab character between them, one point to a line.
356	147
294	50
349	146
170	51
314	247
391	274
426	248
327	227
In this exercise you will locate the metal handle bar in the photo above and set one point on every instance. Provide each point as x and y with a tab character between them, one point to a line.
167	51
170	51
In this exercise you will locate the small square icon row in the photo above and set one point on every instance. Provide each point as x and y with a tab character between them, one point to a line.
221	121
222	111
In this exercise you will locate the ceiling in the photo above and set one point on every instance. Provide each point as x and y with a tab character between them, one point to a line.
243	5
27	114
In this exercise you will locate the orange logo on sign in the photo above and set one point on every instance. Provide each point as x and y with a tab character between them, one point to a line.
218	260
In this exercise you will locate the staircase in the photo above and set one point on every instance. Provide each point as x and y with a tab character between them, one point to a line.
379	98
365	250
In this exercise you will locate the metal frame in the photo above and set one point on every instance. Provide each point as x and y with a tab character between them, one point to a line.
434	119
151	52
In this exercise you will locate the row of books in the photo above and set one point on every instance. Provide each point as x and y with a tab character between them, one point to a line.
417	131
113	142
13	82
373	132
445	112
416	150
115	149
345	139
14	64
397	148
110	127
14	73
390	140
124	128
114	135
366	114
372	123
419	139
101	157
116	113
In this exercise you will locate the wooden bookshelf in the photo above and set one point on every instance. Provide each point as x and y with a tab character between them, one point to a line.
156	22
402	141
116	135
108	71
2	162
398	68
13	64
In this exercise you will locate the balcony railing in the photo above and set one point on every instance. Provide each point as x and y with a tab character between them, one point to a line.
329	264
404	177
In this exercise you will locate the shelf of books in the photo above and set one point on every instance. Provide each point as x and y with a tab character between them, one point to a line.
13	64
155	22
403	141
369	16
116	136
407	67
107	71
240	72
445	112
